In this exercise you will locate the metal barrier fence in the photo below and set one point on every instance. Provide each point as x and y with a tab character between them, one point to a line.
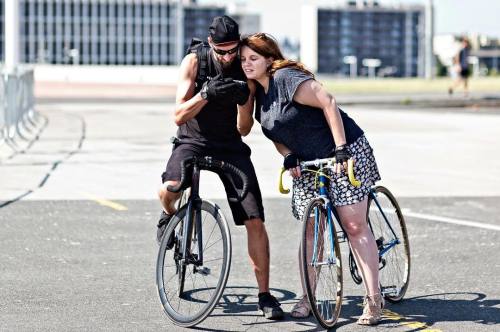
3	103
18	119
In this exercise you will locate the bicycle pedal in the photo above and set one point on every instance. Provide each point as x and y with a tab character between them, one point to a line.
389	290
380	242
204	271
382	263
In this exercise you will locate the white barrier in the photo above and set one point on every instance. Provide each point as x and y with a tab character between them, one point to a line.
2	111
154	75
18	119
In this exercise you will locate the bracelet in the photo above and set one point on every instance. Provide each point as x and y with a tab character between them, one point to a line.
341	147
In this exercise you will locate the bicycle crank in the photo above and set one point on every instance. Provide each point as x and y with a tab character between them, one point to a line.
203	270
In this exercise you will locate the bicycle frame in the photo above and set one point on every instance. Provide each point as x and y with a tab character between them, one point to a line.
393	242
192	205
322	180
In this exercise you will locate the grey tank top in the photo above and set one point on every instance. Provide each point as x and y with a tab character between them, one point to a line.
301	128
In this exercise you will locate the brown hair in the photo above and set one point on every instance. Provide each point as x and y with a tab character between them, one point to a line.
466	41
266	45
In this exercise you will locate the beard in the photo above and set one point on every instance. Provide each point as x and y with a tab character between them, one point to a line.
226	65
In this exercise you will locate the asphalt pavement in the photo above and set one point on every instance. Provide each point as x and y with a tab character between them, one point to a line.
78	214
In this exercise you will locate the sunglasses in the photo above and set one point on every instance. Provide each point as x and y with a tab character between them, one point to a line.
222	52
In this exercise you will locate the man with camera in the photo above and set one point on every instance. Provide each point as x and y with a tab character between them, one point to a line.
214	108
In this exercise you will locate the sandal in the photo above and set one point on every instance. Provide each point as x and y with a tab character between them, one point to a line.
301	309
372	311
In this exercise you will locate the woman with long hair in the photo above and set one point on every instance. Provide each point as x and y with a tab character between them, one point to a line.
303	121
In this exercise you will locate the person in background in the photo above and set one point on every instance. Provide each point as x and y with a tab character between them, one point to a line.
461	67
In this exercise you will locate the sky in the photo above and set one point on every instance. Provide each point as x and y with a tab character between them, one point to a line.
282	18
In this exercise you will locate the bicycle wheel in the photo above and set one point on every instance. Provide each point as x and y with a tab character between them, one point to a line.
388	226
353	268
321	263
203	284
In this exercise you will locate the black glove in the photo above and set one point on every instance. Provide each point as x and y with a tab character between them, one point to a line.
342	154
291	161
218	88
242	92
234	92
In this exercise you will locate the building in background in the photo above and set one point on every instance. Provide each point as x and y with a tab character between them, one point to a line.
109	32
351	38
97	32
385	41
248	23
364	38
487	52
196	21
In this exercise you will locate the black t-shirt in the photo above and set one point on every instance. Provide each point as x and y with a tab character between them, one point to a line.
215	125
463	58
301	128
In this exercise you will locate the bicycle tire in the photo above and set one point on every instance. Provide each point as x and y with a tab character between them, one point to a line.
323	283
180	203
395	262
181	268
353	269
194	297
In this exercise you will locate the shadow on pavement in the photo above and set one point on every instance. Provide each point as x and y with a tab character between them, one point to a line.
415	314
241	299
422	312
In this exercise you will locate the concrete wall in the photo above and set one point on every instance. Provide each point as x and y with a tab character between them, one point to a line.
164	75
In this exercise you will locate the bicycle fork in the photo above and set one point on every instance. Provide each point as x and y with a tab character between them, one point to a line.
192	229
330	260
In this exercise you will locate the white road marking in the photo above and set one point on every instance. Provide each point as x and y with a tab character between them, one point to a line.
408	213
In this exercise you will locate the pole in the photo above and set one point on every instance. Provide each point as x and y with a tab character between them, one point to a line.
352	61
429	36
11	10
179	33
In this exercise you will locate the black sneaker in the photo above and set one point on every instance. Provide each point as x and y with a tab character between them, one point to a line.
162	226
270	307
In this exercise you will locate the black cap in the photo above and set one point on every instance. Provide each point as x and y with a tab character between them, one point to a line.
224	30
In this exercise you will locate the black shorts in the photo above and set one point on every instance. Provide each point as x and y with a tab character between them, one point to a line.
464	72
251	206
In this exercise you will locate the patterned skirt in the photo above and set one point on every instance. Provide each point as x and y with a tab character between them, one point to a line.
340	190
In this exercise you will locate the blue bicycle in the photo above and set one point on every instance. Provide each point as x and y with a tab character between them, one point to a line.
320	251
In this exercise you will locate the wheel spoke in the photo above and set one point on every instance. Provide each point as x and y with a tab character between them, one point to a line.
387	224
323	278
203	285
